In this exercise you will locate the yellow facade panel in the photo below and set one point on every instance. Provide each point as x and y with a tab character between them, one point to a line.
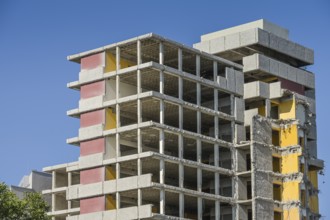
289	136
110	119
290	191
110	203
291	214
110	62
290	163
287	110
110	173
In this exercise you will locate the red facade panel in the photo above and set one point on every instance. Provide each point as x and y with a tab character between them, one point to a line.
92	90
292	86
92	147
92	61
92	175
96	204
92	118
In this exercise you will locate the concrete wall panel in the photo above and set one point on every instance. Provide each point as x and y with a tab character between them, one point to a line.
232	41
239	109
91	103
248	37
93	74
216	45
300	50
263	37
250	63
231	79
263	210
239	82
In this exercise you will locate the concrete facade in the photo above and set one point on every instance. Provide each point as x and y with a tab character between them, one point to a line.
36	181
223	130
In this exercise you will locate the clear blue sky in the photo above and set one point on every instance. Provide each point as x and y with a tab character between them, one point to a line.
36	36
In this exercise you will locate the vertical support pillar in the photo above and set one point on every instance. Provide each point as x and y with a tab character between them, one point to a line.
161	133
268	107
233	157
180	139
306	170
199	179
199	143
69	184
215	71
53	194
117	123
139	120
181	177
216	146
232	113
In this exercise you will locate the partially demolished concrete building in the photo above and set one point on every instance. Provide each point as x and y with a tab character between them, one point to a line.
223	130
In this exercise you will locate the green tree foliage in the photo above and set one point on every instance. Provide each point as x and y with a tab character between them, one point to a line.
32	207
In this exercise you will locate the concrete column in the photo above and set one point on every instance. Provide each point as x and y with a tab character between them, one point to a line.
53	187
53	180
139	119
162	172
216	146
216	181
161	53
268	107
233	156
180	153
232	112
117	170
199	179
198	65
53	202
215	71
117	122
161	133
306	170
69	184
69	178
180	59
180	69
139	52
199	143
181	176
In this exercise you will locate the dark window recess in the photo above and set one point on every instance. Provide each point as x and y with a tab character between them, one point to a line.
249	190
274	112
248	161
275	138
250	214
276	164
